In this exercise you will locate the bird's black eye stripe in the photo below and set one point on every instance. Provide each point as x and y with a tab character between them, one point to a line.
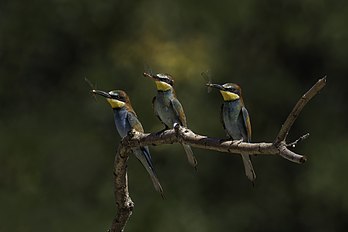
233	90
121	98
166	80
117	97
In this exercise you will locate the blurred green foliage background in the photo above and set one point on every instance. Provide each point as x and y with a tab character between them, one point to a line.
58	144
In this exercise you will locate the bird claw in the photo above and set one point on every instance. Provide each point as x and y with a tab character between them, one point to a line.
176	125
131	133
238	141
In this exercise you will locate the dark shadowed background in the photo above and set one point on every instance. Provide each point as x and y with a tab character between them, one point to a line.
57	144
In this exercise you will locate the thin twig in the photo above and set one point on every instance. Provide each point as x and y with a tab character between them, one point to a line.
293	144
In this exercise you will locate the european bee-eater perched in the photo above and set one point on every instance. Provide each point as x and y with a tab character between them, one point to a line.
235	120
126	120
168	108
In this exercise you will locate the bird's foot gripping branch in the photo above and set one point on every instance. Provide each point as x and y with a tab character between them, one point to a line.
179	134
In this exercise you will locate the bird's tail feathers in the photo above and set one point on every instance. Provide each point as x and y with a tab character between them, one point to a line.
144	157
248	166
190	157
157	184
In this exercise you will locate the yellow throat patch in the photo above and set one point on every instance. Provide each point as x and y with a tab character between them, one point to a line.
163	86
228	96
115	103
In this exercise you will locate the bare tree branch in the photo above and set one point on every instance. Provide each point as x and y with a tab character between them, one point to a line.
124	203
184	135
284	130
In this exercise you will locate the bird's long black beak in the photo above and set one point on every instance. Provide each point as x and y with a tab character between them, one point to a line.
216	86
101	93
153	77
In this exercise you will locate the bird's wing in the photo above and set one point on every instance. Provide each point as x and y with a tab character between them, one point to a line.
179	111
153	105
143	153
134	122
247	124
222	120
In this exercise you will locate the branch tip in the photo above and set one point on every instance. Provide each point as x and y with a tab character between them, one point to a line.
303	137
303	159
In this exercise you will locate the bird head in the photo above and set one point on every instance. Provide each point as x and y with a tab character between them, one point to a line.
116	98
164	82
229	91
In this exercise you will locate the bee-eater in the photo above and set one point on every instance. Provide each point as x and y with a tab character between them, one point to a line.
168	108
235	120
125	120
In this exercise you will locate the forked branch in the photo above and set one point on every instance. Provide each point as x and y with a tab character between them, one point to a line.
284	130
124	204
